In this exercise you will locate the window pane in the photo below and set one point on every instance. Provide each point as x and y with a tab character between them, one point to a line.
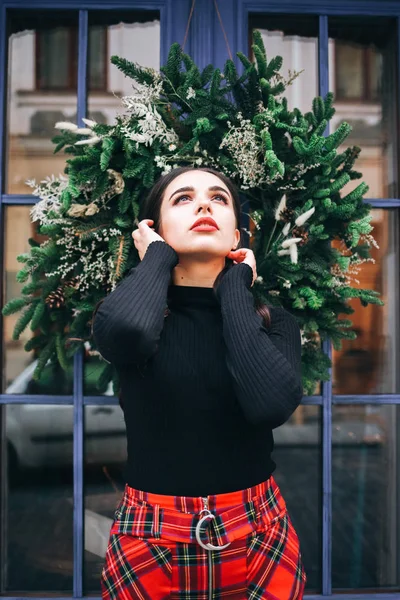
52	54
297	455
38	499
105	455
131	35
349	71
294	38
35	102
98	65
19	364
362	72
369	364
366	511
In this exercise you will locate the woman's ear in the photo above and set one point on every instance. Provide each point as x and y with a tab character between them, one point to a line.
237	239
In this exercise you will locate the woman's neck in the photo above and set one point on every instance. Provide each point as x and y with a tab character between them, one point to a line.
197	274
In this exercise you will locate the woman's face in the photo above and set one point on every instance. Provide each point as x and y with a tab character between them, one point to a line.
198	195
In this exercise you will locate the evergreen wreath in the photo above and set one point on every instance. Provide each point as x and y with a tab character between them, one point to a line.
290	173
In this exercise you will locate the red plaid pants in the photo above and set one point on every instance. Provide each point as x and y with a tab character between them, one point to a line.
240	545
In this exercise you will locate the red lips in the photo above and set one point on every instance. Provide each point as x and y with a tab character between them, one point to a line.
205	221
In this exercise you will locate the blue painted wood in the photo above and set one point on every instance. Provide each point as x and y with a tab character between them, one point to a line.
3	482
320	7
366	399
202	33
31	399
323	88
78	526
228	12
327	480
3	83
383	202
19	199
323	58
174	17
83	37
87	5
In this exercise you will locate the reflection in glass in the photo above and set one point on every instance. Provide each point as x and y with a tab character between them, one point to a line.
134	36
105	455
365	477
294	38
297	455
19	364
42	67
362	75
37	476
369	364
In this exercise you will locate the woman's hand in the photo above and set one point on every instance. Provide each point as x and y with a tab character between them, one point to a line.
246	256
144	235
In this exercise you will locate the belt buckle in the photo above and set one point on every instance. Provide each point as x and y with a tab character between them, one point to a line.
208	516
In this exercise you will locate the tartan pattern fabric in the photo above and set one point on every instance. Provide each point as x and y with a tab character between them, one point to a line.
153	553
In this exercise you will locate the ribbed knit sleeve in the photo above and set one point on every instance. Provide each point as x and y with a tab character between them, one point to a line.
265	363
128	323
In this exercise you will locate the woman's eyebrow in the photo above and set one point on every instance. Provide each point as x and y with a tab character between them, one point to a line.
217	188
188	188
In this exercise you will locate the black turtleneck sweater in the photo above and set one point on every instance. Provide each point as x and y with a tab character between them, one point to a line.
204	383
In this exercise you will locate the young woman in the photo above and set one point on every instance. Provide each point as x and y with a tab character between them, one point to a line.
204	380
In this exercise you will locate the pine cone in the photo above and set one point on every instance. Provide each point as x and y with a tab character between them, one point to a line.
287	214
72	283
56	299
299	232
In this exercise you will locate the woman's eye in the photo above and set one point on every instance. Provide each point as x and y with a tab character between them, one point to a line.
182	198
220	198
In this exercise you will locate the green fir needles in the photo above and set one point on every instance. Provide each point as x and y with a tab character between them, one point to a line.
292	175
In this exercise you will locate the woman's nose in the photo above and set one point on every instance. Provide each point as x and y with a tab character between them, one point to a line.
203	203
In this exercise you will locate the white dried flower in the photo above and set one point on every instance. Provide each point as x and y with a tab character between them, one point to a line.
304	217
89	123
49	191
190	93
283	252
89	142
291	242
274	292
148	125
287	284
243	144
259	279
172	147
280	208
66	125
286	229
293	253
84	131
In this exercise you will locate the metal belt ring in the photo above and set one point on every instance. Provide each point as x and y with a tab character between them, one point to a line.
209	516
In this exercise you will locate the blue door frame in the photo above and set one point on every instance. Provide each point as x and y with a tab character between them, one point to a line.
206	45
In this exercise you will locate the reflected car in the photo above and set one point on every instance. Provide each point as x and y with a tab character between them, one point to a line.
42	435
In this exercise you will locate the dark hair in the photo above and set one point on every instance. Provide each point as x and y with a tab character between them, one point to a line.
151	209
